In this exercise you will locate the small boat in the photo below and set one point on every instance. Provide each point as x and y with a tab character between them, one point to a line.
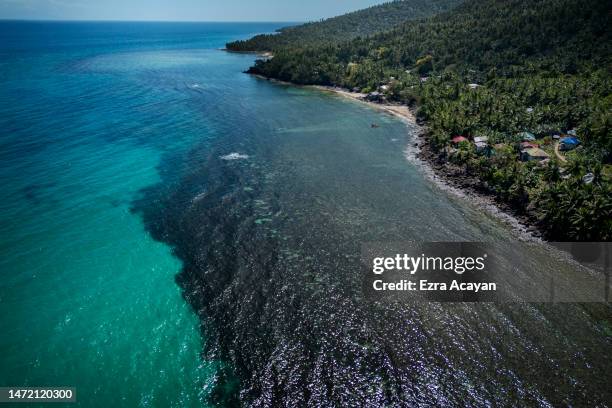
374	125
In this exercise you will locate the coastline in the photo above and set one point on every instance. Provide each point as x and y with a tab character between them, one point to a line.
400	111
452	179
447	179
440	173
263	54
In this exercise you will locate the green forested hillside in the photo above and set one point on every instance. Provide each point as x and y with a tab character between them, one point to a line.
541	66
490	37
361	23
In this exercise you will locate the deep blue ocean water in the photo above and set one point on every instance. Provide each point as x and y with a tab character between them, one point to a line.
174	232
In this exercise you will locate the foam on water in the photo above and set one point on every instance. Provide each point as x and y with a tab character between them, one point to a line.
235	156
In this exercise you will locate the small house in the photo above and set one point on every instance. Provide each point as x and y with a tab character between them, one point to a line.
527	136
481	143
458	139
481	146
384	88
568	143
528	145
533	154
572	132
473	86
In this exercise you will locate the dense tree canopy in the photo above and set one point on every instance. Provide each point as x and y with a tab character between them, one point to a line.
541	66
360	23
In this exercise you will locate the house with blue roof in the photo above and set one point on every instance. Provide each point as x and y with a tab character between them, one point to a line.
568	143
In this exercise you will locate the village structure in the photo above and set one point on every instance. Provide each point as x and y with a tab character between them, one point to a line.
529	147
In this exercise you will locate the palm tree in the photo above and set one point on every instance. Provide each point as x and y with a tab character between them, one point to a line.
551	172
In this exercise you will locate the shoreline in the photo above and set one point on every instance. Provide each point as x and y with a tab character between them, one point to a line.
452	179
401	111
264	54
439	173
419	153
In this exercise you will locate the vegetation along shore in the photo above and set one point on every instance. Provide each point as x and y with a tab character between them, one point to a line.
514	95
442	173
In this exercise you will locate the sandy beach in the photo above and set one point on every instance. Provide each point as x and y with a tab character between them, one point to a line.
401	111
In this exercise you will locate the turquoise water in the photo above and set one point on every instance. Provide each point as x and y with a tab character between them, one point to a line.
174	232
87	298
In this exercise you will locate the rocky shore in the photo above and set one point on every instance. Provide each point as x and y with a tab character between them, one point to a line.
448	176
457	179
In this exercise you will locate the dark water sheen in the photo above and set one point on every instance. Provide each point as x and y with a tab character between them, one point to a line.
126	140
271	245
